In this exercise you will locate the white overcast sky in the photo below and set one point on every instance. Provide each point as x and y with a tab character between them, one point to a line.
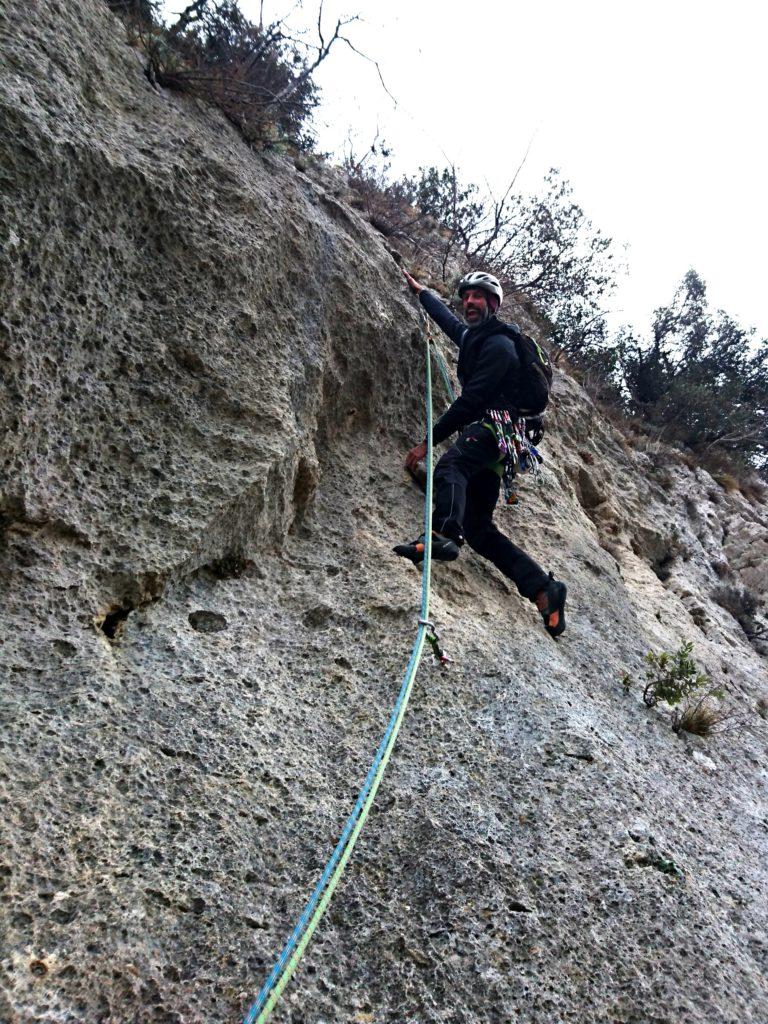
655	112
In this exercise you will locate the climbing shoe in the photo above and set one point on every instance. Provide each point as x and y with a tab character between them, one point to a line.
551	604
443	549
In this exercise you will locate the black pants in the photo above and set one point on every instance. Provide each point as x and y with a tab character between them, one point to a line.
466	492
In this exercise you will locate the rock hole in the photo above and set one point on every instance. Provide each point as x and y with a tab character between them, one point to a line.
207	622
304	487
519	908
231	566
64	648
318	617
113	620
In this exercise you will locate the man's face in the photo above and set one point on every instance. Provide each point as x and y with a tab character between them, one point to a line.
474	303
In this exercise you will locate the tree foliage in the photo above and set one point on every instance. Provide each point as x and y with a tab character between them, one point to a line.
700	376
670	677
542	247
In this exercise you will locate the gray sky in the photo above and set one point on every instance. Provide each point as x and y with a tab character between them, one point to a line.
655	112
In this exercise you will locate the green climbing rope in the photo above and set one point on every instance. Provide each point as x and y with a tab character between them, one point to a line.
294	948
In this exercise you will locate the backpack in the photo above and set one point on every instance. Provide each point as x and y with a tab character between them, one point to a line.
535	372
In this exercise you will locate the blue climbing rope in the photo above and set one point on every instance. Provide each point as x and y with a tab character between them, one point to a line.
299	938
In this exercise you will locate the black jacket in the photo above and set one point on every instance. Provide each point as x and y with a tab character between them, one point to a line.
488	369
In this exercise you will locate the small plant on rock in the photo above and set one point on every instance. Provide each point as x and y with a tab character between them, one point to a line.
675	679
703	716
670	677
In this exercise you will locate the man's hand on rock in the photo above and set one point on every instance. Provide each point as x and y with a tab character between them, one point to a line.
415	456
413	284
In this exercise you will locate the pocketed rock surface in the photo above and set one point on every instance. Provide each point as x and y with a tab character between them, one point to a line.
211	373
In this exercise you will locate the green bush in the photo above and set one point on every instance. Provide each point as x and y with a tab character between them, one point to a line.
670	677
675	679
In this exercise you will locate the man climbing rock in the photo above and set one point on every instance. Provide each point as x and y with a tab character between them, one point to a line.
467	477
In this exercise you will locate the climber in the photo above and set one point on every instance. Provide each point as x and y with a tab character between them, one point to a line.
467	477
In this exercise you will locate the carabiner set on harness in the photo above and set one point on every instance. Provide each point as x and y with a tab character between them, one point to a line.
513	447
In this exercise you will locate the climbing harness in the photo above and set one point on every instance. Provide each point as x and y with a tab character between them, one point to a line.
299	938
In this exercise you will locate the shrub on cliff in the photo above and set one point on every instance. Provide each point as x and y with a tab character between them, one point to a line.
674	679
704	716
669	677
257	76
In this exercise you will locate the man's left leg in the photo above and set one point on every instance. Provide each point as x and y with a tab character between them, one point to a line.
539	587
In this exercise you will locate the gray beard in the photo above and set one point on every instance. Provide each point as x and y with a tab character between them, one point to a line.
478	323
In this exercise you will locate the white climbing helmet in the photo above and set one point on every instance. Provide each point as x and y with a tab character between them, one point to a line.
479	279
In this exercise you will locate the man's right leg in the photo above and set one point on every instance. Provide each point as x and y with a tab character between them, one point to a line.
542	589
488	541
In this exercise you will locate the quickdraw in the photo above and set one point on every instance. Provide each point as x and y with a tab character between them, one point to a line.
443	660
515	448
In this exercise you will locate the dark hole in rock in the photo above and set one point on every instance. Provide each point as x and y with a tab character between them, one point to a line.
197	905
662	567
318	616
207	622
38	968
64	648
63	915
519	908
304	487
158	896
113	621
231	566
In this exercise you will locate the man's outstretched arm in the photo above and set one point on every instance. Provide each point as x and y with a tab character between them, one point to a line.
448	323
438	311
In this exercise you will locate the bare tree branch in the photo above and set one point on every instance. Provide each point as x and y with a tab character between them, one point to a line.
372	61
322	52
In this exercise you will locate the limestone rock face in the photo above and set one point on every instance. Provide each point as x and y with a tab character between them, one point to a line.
210	375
